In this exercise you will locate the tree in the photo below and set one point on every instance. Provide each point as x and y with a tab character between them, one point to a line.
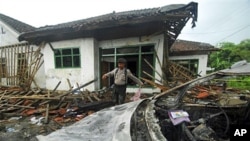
229	53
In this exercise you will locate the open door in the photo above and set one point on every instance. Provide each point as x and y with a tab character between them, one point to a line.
107	65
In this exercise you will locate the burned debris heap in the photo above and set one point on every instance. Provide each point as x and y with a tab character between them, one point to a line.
212	107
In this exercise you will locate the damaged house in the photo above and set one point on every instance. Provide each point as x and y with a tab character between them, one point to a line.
82	50
59	56
192	55
79	51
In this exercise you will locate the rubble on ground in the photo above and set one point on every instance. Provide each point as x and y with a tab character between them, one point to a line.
25	114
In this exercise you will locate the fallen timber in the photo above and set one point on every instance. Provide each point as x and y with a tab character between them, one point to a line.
52	105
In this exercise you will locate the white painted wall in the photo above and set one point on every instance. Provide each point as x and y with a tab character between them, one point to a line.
202	66
90	69
39	78
86	73
9	36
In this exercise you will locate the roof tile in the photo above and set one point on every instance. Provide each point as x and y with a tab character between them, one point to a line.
183	45
16	24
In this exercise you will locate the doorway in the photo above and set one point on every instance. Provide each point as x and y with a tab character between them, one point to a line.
135	56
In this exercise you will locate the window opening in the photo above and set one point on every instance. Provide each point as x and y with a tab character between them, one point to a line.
67	58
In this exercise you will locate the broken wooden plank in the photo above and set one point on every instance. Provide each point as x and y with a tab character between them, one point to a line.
31	97
151	76
163	81
3	95
70	86
95	97
20	106
47	111
84	85
52	92
81	93
163	88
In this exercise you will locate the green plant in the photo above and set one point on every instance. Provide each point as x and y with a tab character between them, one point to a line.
239	82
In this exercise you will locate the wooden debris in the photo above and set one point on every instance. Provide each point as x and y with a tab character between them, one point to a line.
175	74
51	105
47	111
163	88
70	86
80	91
163	81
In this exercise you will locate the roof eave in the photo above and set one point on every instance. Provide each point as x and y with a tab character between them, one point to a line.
171	15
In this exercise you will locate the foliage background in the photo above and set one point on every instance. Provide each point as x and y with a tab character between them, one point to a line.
229	54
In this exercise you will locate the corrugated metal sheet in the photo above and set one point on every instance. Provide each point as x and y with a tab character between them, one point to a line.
239	68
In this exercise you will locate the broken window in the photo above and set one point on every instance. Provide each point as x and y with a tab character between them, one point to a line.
67	58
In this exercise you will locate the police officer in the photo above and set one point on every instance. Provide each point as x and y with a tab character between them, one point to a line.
120	75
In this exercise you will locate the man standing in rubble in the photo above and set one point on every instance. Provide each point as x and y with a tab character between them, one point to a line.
120	75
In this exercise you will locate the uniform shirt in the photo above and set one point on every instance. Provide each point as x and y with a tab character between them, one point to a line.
119	76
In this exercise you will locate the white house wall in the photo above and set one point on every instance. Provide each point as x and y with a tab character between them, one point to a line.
86	73
89	50
7	35
39	78
202	66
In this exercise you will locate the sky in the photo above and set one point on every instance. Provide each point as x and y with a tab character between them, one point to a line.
218	20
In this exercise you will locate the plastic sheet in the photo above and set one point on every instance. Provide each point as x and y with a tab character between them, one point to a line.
137	95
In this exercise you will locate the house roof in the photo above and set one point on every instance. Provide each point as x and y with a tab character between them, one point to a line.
183	46
17	25
120	24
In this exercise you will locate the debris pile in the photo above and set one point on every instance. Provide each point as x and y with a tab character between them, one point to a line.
218	94
172	75
43	111
25	114
29	103
211	105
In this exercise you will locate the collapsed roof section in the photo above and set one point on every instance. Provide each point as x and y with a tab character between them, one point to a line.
169	19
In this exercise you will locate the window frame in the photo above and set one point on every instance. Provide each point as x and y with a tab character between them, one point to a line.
141	50
61	56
